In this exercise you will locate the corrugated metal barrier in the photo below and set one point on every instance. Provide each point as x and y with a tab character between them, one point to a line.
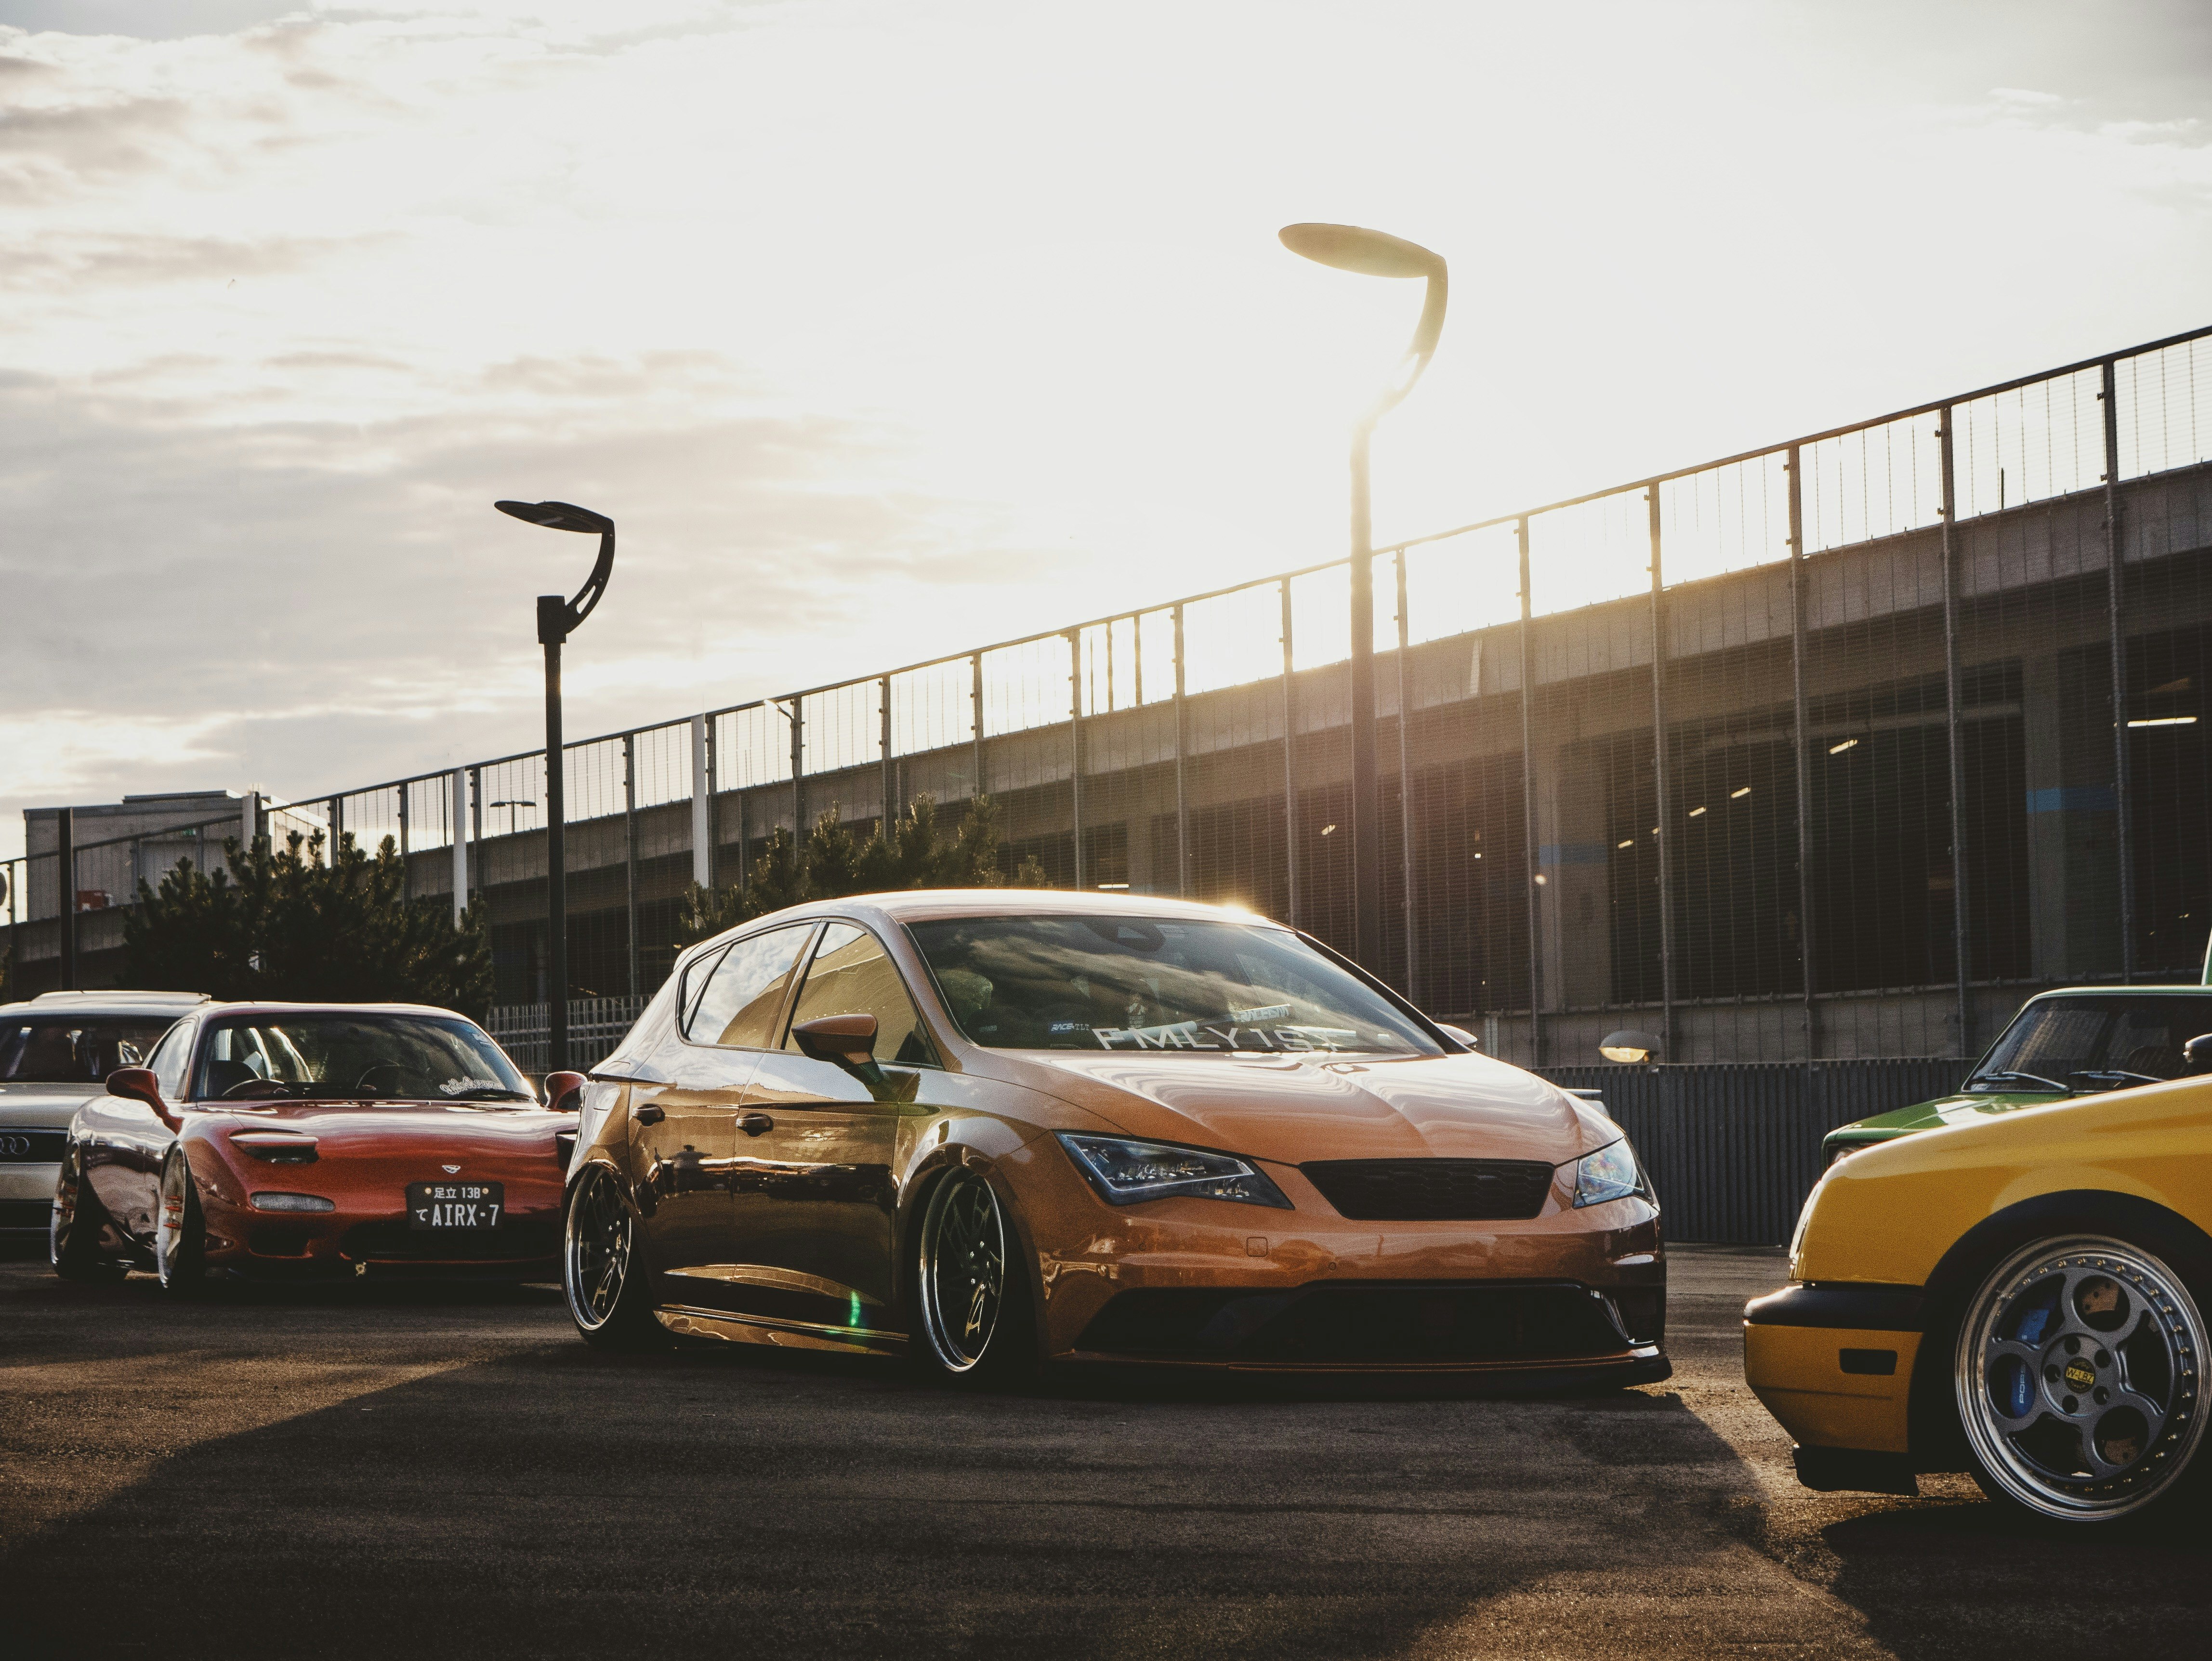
1734	1148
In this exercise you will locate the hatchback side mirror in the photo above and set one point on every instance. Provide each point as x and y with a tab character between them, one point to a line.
561	1090
137	1084
2196	1054
849	1042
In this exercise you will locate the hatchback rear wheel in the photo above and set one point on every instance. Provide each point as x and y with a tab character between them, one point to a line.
605	1281
2079	1379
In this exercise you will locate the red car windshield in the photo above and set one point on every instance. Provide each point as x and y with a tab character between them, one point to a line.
76	1048
353	1055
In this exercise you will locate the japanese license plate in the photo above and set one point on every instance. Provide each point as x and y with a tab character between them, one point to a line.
455	1205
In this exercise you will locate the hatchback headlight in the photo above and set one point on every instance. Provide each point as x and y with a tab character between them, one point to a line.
1125	1171
1610	1173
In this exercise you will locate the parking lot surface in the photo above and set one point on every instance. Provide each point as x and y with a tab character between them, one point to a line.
403	1471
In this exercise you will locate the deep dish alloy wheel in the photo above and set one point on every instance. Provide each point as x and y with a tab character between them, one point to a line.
2079	1375
179	1231
964	1274
600	1270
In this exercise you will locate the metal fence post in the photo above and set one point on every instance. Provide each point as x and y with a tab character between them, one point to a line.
1532	879
975	719
629	851
1799	582
1181	749
475	825
406	871
889	813
1075	745
460	784
703	809
714	806
337	807
797	778
2116	630
1953	690
65	870
1665	814
1289	764
1406	778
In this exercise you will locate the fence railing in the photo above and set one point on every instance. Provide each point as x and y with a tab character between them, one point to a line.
1825	747
596	1025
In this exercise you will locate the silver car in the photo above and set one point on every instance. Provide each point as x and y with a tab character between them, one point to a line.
56	1051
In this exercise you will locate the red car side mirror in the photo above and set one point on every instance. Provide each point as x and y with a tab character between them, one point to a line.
560	1087
137	1084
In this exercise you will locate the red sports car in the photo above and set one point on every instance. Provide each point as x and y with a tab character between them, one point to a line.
283	1139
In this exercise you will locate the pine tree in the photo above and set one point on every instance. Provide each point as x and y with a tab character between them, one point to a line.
911	851
287	925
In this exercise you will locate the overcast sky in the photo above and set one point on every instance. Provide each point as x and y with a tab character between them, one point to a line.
884	330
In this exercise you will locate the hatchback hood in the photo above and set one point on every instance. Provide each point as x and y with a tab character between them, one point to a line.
1293	1109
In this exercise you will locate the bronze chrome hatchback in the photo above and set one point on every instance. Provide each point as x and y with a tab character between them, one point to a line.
995	1128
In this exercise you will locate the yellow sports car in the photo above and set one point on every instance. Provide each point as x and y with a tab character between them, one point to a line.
2020	1297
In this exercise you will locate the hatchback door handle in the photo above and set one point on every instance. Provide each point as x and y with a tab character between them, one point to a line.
756	1125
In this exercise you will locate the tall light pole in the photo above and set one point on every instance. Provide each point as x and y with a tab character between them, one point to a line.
558	618
1371	253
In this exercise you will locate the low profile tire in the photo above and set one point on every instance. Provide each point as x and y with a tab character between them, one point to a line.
602	1272
179	1231
2079	1380
972	1319
74	1230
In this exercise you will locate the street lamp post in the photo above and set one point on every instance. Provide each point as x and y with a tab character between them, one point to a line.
1371	253
557	620
511	804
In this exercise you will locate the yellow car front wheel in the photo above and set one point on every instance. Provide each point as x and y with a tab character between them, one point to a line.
2079	1380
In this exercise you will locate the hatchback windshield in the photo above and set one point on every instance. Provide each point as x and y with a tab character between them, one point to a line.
76	1049
2094	1043
1133	984
341	1053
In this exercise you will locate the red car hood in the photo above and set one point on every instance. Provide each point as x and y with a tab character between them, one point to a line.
1293	1109
451	1130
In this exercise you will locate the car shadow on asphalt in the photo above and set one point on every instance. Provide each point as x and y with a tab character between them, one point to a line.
1950	1575
564	1500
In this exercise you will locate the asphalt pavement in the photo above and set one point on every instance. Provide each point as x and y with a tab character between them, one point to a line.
408	1471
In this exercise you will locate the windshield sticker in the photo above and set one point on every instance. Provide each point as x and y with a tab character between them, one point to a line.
455	1086
1210	1035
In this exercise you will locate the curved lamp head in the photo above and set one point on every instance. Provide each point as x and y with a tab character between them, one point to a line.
1377	253
1629	1045
558	619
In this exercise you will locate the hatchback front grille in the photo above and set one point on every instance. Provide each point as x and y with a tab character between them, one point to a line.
1432	1191
33	1147
1358	1324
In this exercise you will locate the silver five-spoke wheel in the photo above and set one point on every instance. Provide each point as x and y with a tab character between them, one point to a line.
963	1281
596	1255
2078	1378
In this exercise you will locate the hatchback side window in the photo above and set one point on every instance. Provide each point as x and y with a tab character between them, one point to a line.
853	975
744	994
